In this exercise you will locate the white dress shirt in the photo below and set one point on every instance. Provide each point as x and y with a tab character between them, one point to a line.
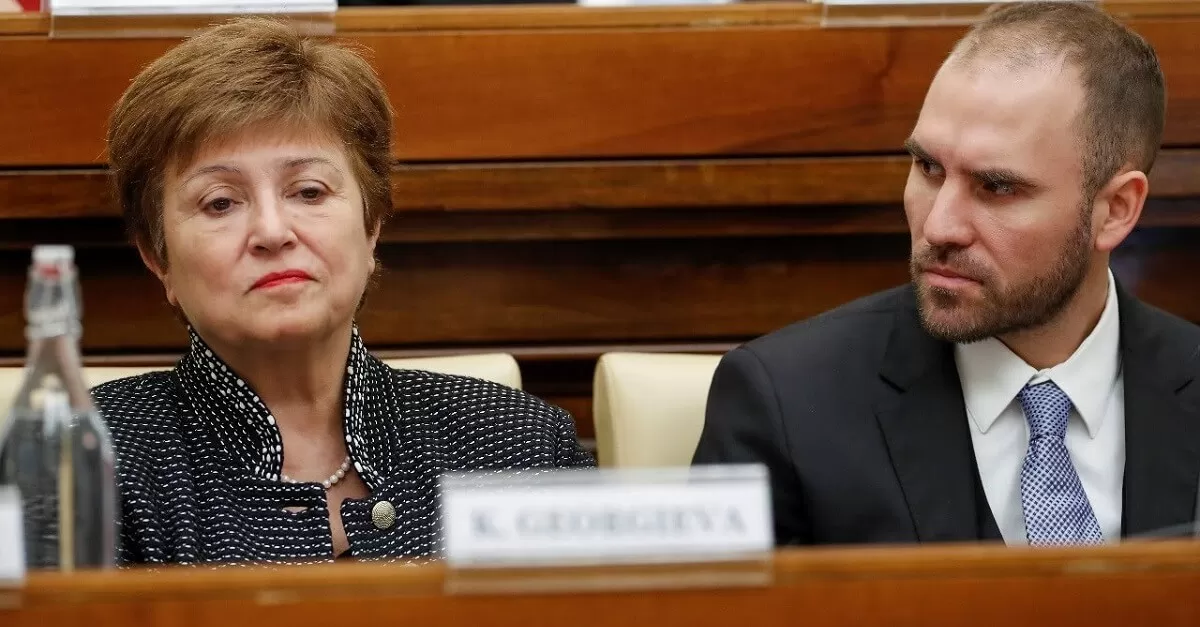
992	375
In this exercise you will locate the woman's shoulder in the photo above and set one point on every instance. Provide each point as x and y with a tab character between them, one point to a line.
491	421
145	402
467	395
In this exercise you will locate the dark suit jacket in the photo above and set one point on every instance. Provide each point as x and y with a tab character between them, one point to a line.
858	415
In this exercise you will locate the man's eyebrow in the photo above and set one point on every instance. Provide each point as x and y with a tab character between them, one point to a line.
989	176
917	151
1004	176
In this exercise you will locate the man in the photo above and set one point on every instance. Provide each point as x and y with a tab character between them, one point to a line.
1013	390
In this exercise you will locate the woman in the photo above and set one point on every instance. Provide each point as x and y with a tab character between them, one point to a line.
252	167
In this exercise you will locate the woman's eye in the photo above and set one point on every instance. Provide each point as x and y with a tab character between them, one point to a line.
219	205
311	193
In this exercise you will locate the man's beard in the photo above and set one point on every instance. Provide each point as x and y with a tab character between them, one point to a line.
1025	305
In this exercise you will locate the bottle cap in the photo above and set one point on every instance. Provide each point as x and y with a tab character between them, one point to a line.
51	255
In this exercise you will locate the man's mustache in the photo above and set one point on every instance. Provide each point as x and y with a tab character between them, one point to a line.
943	259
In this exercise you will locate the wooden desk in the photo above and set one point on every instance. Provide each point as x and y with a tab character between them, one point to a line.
571	181
1148	584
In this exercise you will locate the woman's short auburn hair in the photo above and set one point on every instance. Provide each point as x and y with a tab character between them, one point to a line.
248	73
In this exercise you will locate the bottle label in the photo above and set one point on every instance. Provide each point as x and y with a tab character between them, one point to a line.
12	544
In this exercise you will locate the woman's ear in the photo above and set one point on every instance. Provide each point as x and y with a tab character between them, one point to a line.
152	262
372	240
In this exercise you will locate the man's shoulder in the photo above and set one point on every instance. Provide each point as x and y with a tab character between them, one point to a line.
857	328
1154	328
1171	325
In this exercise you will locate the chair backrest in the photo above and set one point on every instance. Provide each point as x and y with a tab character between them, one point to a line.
499	368
10	380
648	408
11	377
95	375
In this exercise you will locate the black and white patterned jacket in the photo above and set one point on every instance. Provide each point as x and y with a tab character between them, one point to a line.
199	458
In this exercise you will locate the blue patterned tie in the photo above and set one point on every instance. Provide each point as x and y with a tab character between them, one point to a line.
1056	508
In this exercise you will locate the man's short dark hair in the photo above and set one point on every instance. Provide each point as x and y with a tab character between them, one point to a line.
1124	105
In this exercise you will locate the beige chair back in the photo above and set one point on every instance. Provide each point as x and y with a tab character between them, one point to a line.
648	408
501	368
95	375
10	381
11	376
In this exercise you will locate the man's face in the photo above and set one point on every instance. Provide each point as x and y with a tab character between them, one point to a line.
1001	233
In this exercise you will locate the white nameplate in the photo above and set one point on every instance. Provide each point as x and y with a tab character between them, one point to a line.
12	541
188	7
600	516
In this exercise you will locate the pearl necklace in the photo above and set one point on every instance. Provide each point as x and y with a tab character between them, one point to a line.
328	483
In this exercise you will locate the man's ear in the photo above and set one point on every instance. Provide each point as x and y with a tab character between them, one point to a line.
1118	207
152	262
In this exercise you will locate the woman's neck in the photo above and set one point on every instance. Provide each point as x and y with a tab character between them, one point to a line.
301	384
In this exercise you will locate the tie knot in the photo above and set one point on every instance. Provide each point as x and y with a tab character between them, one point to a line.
1047	409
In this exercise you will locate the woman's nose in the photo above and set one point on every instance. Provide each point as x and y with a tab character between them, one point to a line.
270	227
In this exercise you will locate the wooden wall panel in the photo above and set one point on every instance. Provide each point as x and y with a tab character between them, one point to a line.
729	185
633	92
564	293
523	293
572	181
542	300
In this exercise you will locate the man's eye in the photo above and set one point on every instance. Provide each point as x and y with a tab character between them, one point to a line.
999	189
928	168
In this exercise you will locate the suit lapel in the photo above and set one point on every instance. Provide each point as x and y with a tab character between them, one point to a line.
1159	358
924	422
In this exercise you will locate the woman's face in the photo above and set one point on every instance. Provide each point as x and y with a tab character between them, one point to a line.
265	240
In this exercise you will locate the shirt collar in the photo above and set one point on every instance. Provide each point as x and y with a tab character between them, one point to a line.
992	375
243	425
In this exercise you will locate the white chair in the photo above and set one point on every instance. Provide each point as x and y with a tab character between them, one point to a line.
11	377
499	368
95	375
10	380
648	408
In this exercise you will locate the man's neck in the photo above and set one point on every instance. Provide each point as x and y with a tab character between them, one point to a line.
1053	343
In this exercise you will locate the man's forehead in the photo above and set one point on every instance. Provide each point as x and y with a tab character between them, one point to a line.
985	110
997	86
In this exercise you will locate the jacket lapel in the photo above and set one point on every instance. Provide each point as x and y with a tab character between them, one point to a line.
924	422
1159	358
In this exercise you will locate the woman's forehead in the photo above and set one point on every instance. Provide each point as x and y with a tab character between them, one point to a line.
262	143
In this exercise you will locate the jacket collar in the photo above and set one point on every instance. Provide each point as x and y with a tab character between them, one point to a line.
242	425
923	418
1161	356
